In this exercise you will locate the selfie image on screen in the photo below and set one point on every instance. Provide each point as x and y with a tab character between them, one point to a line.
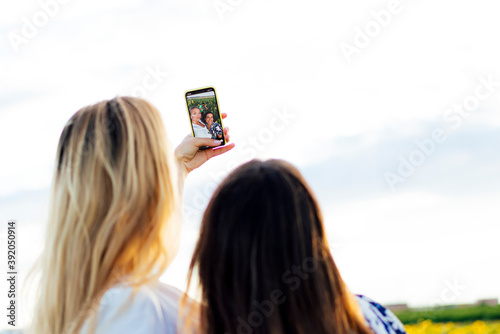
204	113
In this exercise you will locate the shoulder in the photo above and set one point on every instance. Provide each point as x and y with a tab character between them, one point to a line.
154	308
378	318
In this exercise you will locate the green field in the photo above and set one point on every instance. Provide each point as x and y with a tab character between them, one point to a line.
450	314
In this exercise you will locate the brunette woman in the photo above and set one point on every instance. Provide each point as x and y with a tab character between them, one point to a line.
264	266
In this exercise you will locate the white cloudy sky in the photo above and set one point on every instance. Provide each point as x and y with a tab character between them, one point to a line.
348	123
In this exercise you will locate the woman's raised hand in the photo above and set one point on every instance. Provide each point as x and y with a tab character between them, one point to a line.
189	155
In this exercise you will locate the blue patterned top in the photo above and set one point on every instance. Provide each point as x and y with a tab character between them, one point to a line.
378	318
215	130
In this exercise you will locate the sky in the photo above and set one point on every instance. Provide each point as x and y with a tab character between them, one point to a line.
388	108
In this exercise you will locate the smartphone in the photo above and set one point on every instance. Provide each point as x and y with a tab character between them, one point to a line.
204	114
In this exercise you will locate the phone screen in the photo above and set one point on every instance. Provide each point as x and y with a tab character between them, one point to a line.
204	114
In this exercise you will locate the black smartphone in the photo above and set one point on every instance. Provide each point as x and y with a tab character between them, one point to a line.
204	114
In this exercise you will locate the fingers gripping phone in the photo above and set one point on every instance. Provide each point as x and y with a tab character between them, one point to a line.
204	114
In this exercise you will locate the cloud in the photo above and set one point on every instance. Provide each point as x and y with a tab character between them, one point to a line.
462	166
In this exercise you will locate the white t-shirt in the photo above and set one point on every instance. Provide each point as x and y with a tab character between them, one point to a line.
154	309
201	131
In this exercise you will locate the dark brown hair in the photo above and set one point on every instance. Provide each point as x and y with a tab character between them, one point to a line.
263	260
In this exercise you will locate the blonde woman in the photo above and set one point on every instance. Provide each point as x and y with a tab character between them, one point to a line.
200	129
114	222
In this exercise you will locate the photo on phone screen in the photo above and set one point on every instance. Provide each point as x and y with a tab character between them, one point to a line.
204	114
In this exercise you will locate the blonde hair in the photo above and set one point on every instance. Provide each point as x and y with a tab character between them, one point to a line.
113	198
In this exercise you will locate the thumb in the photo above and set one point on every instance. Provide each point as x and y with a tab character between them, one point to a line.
206	142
